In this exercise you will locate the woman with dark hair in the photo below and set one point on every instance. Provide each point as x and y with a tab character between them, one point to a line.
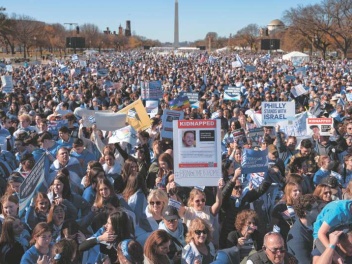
323	193
130	251
117	229
92	178
61	193
105	190
130	167
156	248
41	244
12	113
11	251
246	237
228	169
166	167
64	252
38	210
135	196
56	217
111	167
14	182
199	248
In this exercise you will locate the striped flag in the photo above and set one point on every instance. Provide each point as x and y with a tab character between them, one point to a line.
265	57
238	58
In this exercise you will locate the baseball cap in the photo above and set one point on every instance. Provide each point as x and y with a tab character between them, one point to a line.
170	213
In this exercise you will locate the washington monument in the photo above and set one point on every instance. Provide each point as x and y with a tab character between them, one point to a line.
176	42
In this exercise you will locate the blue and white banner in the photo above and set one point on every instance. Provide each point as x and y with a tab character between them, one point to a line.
193	97
250	68
150	105
9	68
109	121
7	84
126	134
232	93
265	57
33	182
254	161
298	90
152	90
278	112
167	119
238	58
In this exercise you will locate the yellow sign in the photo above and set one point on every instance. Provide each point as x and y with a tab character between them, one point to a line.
137	115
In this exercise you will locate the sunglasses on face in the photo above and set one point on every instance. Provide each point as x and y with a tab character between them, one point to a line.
276	250
200	201
199	232
172	221
157	203
238	187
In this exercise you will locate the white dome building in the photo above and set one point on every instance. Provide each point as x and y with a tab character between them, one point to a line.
275	25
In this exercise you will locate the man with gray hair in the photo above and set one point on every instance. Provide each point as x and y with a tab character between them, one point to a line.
273	251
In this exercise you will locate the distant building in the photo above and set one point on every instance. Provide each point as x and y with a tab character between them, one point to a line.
120	31
275	26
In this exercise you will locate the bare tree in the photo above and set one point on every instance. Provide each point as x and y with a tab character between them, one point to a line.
249	34
26	29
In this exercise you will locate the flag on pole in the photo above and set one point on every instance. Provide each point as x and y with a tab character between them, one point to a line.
265	57
238	58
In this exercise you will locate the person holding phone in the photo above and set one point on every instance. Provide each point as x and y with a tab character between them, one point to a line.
246	236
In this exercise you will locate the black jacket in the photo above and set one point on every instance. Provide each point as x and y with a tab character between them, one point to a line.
229	209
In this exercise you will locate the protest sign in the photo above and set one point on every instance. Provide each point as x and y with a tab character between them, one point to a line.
290	78
137	116
319	126
109	121
82	63
298	90
298	128
349	97
179	103
239	136
103	72
232	93
275	112
250	68
197	152
7	84
150	105
33	182
167	120
74	58
125	134
9	68
192	97
254	161
301	71
152	90
236	64
255	136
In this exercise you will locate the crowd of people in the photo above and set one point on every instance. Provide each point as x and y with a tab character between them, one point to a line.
121	203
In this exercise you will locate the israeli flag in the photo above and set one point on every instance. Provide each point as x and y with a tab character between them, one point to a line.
265	57
238	58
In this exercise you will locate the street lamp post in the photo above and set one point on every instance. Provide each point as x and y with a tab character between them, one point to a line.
35	39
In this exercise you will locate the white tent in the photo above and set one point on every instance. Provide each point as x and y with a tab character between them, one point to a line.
296	56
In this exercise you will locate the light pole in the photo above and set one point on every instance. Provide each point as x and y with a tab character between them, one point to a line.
35	39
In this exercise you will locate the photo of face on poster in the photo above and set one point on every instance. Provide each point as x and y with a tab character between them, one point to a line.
189	139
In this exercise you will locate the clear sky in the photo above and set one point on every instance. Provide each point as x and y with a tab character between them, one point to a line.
154	19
